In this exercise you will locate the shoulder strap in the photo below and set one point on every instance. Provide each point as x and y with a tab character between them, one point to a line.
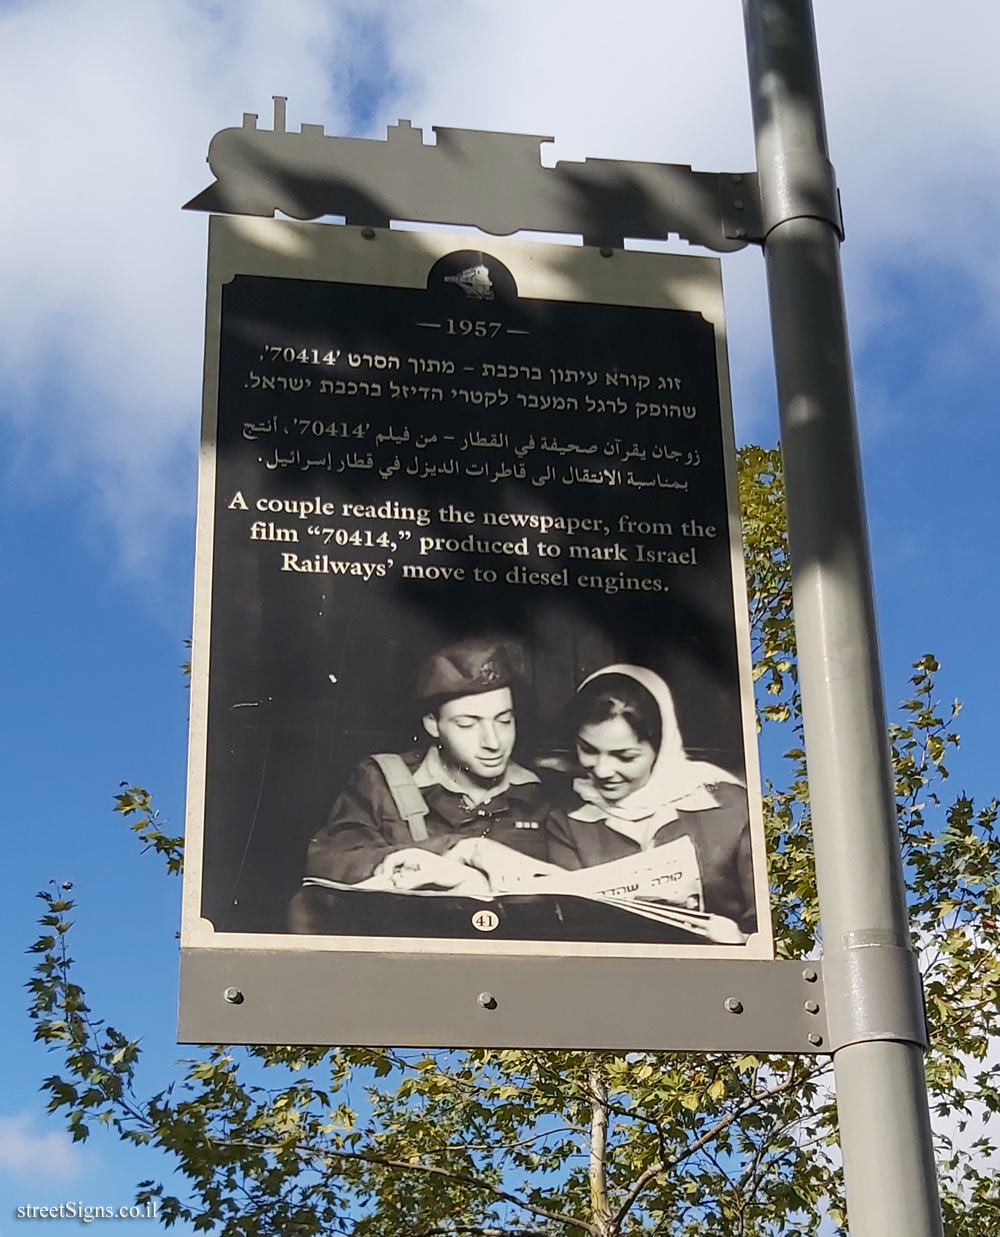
405	793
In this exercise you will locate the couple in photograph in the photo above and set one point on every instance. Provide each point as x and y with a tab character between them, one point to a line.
635	822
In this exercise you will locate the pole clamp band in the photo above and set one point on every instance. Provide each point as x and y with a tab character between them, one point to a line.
874	992
799	185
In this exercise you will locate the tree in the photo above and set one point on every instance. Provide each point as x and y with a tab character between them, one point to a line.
512	1143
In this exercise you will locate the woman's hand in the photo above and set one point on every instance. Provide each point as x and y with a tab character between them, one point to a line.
723	931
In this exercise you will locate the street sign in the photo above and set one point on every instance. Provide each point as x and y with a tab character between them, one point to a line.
450	491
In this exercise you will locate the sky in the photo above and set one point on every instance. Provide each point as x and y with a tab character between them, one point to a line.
106	110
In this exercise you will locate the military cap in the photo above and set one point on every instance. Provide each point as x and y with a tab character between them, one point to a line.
470	667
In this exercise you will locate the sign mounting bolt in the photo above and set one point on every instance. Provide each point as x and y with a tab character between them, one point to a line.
733	1005
233	996
487	1000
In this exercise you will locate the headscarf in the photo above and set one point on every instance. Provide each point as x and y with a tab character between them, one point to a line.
676	784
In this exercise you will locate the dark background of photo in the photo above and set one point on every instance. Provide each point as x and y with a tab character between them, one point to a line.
310	673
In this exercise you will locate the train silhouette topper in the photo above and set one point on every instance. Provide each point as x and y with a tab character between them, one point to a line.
490	180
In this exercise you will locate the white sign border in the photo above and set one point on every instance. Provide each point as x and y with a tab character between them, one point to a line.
403	258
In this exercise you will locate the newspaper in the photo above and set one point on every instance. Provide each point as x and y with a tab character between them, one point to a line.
668	873
663	884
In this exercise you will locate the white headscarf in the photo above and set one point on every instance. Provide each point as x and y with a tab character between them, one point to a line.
676	784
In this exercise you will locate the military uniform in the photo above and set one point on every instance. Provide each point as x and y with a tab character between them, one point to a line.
394	803
366	825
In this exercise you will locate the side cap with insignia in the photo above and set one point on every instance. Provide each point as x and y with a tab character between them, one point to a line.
470	667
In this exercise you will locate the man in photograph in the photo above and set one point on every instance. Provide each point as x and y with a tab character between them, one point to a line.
458	815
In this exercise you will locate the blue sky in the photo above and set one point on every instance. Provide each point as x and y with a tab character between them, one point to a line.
107	108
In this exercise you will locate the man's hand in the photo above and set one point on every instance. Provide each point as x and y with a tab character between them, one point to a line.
413	868
506	869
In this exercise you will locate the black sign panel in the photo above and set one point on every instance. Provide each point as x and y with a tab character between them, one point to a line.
475	665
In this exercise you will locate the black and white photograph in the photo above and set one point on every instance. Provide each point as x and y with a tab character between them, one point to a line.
473	660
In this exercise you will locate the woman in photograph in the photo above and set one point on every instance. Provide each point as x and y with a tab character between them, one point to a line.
638	789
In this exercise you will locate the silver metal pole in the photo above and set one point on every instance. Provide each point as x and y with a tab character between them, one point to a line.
872	990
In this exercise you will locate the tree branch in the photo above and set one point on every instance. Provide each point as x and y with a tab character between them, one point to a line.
521	1142
597	1172
478	1183
654	1170
479	1232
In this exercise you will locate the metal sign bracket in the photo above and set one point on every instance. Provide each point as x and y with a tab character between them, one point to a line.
315	997
493	181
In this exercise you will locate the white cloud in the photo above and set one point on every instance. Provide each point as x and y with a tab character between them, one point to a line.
102	273
911	97
100	322
645	80
25	1152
